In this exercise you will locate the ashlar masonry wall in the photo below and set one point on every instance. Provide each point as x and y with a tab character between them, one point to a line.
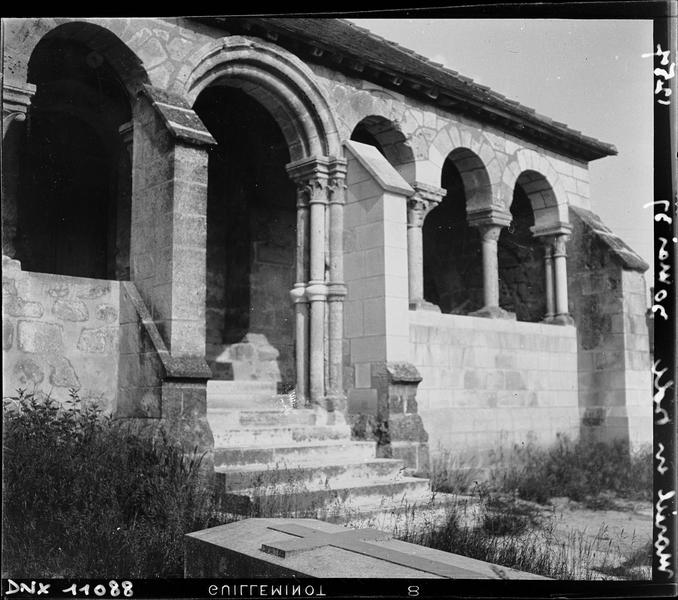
491	383
59	333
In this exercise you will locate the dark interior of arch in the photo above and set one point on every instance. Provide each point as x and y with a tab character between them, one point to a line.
453	276
251	240
73	216
361	133
521	263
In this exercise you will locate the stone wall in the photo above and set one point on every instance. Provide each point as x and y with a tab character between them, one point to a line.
60	333
608	303
491	383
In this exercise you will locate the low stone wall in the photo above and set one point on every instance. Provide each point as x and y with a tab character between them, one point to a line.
59	333
490	383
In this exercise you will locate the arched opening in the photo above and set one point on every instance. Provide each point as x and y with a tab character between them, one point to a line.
390	141
521	258
453	268
251	240
74	213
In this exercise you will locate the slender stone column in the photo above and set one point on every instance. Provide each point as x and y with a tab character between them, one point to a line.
311	175
563	316
548	269
336	287
317	291
298	294
424	199
490	223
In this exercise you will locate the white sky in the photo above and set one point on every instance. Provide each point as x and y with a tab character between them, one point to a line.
587	73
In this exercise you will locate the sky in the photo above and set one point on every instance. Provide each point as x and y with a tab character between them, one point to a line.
589	74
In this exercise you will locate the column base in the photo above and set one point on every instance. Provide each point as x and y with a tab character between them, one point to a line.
494	312
424	305
564	319
548	319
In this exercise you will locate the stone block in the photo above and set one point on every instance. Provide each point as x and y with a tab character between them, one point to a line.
474	380
62	373
70	310
514	380
40	338
308	548
28	372
89	291
100	340
106	313
16	306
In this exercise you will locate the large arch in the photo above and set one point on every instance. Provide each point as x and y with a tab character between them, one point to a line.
104	37
280	82
75	172
451	247
286	89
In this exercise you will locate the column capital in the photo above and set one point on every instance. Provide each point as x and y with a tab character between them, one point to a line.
425	198
560	245
313	168
16	96
431	194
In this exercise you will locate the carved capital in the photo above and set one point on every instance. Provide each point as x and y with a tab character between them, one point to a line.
425	198
560	245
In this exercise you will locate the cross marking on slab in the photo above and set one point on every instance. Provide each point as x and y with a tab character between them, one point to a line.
358	541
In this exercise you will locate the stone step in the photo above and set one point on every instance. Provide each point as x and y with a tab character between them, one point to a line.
234	418
268	436
412	513
250	400
312	476
321	503
227	387
293	455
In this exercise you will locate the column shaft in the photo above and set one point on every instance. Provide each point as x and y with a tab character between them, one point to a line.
298	294
560	267
490	234
317	292
337	289
548	270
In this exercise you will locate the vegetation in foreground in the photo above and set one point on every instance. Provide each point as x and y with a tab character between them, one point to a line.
83	495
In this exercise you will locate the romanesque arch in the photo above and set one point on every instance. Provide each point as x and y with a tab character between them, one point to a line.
76	174
301	131
532	249
453	268
279	81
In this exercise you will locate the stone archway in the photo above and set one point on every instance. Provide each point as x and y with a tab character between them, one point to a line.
285	88
75	178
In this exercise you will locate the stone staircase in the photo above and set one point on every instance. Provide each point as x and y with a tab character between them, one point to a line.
272	459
